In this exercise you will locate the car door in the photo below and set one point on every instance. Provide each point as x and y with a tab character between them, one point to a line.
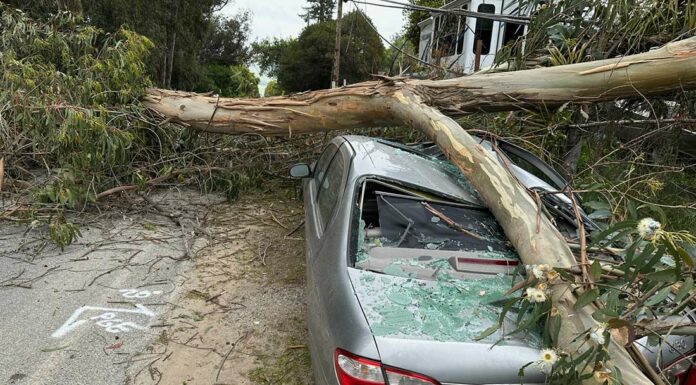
322	204
313	225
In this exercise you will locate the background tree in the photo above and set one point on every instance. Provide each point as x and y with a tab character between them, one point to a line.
268	52
362	48
224	59
396	60
227	42
186	34
411	30
306	63
43	8
273	89
178	28
230	81
318	10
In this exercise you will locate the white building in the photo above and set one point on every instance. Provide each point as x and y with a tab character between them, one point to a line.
449	40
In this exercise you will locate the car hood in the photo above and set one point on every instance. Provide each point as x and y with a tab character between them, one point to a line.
431	326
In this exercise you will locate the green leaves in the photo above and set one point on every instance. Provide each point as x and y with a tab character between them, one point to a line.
613	233
63	234
596	270
660	296
487	333
666	275
684	290
586	298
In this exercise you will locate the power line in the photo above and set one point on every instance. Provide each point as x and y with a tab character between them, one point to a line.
461	12
397	48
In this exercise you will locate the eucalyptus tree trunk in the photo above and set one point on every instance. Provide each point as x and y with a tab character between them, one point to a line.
430	105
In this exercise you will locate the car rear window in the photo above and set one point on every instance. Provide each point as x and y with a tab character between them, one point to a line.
410	236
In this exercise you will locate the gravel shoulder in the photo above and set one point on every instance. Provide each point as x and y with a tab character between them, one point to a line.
240	316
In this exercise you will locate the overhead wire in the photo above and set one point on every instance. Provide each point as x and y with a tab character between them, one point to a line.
461	12
360	11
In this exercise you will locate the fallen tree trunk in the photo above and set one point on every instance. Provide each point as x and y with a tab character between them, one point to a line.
363	104
424	105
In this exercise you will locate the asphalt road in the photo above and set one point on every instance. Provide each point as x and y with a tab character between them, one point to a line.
84	314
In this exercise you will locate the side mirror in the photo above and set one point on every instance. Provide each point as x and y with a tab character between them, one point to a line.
301	170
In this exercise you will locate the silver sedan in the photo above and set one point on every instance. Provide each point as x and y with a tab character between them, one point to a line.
406	267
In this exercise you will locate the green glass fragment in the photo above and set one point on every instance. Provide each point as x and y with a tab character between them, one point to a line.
399	298
445	310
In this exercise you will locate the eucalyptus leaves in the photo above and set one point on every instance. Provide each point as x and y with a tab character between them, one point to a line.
640	275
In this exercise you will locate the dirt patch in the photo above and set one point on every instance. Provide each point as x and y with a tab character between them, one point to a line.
240	315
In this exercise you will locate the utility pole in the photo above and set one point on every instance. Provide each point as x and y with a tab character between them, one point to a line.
337	49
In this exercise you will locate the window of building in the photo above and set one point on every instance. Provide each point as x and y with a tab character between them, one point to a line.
512	32
449	31
448	39
484	29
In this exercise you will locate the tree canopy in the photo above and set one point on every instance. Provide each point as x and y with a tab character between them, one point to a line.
411	29
305	63
318	11
186	35
230	81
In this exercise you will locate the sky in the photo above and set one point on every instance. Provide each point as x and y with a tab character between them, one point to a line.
279	18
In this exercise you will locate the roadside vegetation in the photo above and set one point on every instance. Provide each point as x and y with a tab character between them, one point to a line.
92	135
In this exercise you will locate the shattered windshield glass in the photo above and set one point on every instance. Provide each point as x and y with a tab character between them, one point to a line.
427	266
431	269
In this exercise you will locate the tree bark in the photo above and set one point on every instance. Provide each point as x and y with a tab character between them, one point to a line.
655	72
423	105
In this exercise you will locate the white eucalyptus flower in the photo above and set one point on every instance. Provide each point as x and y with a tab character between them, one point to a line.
598	334
535	295
552	276
538	271
548	358
647	228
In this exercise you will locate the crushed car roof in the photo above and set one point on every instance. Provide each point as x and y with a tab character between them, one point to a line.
382	159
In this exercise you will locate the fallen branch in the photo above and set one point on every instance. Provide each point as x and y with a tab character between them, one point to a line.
159	179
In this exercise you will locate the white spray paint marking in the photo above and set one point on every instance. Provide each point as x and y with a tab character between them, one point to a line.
135	293
73	322
108	319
